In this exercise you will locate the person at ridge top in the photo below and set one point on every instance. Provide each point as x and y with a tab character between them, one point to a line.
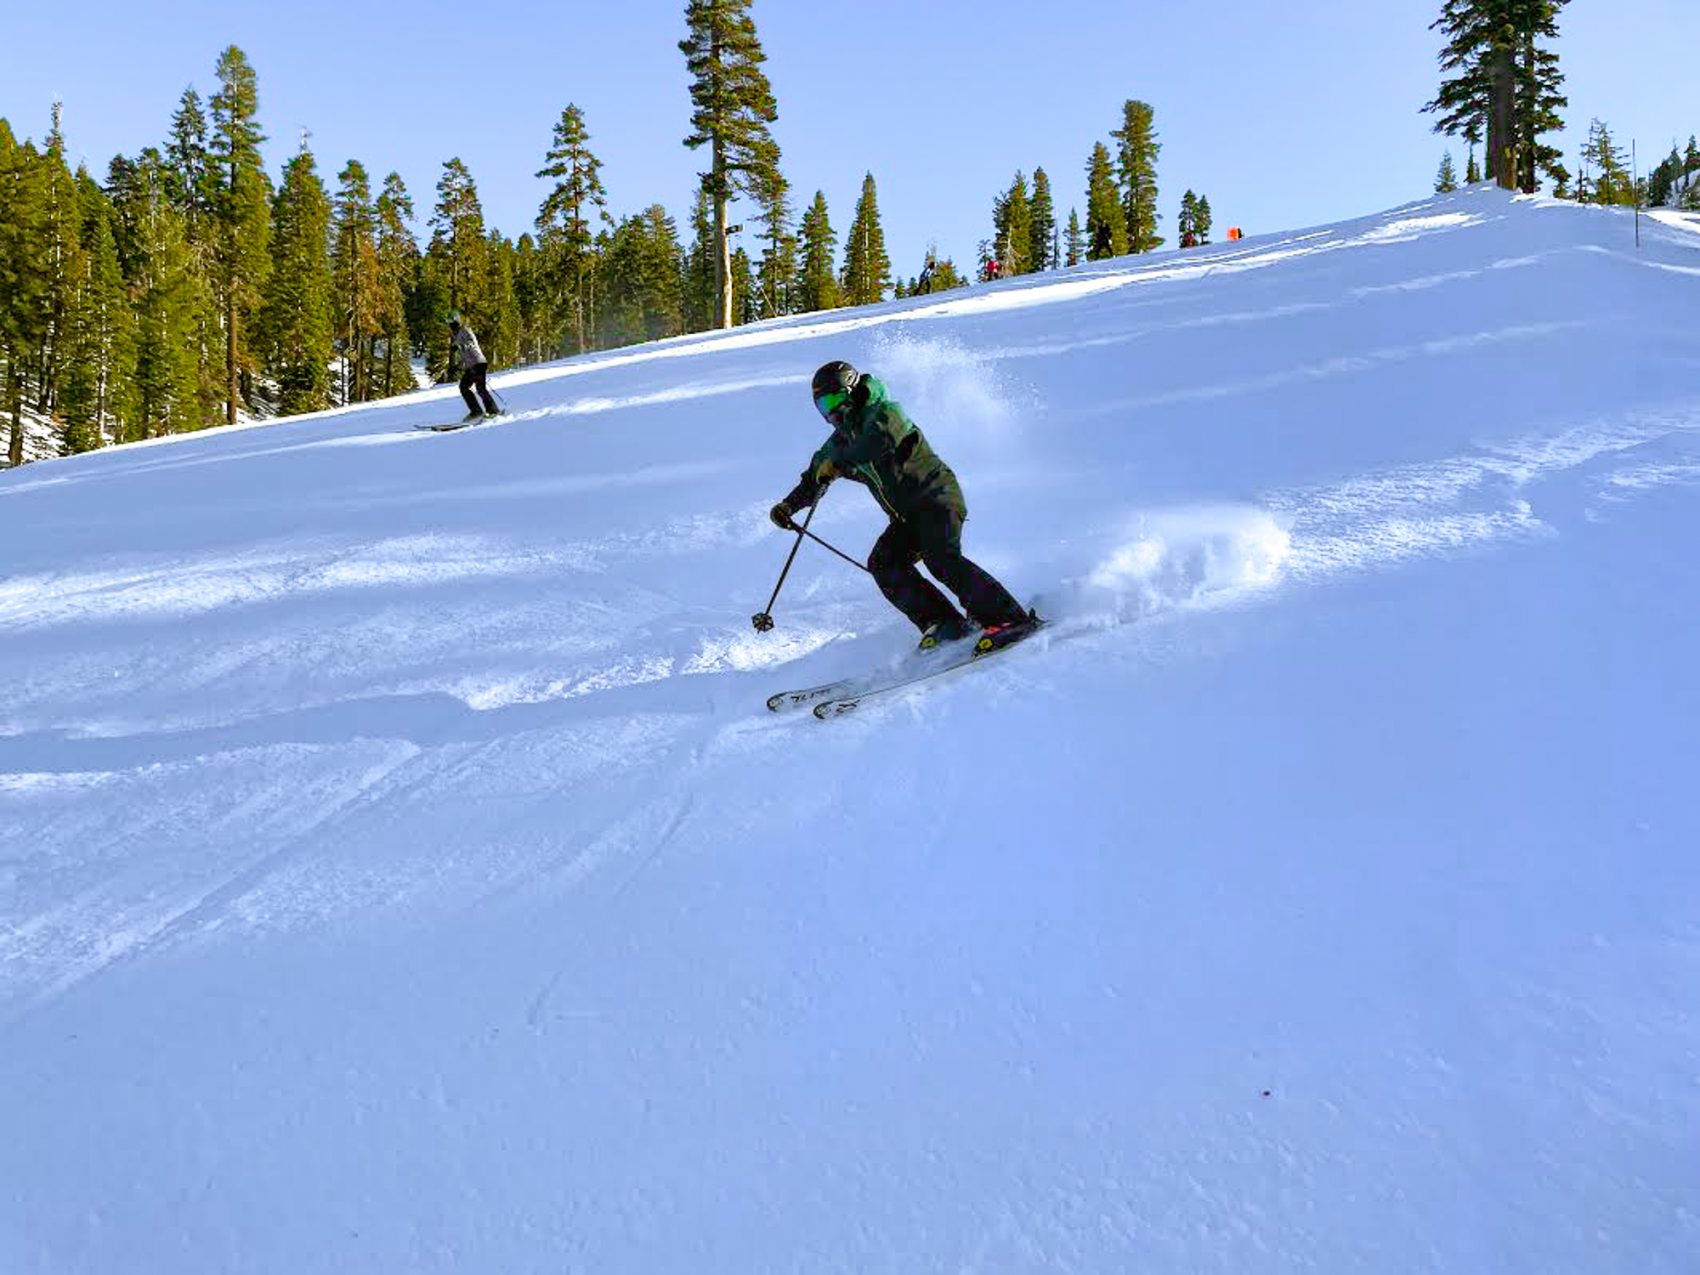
473	369
874	443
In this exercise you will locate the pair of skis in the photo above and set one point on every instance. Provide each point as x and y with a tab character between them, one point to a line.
834	699
461	424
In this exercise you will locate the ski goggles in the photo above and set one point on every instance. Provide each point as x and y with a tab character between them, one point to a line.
833	405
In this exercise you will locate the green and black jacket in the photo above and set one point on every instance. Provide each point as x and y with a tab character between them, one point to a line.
881	448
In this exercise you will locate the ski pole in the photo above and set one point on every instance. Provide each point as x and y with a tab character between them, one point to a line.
860	566
763	620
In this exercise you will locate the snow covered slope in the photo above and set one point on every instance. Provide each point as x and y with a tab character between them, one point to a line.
400	872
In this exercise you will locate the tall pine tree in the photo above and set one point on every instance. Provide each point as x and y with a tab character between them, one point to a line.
776	278
23	277
1043	237
152	240
734	105
699	280
817	282
398	258
567	243
354	270
297	320
240	198
455	268
240	206
1502	84
867	269
101	343
1136	165
1012	229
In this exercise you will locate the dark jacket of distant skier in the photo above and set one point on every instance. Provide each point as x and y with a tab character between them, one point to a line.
474	367
876	444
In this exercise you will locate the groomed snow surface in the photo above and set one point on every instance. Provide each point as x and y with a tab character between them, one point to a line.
400	872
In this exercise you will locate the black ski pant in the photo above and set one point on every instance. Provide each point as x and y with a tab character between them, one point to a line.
474	377
933	534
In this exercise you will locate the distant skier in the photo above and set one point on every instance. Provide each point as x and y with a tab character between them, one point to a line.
473	369
875	443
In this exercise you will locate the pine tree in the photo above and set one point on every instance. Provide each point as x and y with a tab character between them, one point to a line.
398	259
1473	171
61	254
734	105
537	321
153	250
567	243
1106	222
817	286
191	188
1201	220
455	268
1661	182
100	350
1076	241
641	264
1538	96
498	309
457	239
354	272
700	307
297	319
746	302
777	276
867	269
1042	240
23	277
240	197
1012	228
1611	182
1502	82
1447	180
188	174
1136	164
1187	226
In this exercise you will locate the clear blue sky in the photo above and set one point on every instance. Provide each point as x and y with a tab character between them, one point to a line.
1285	114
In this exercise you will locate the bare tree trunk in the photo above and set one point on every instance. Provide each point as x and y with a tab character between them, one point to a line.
230	356
15	452
722	245
1502	126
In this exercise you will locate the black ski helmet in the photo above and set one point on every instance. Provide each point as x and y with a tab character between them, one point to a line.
833	386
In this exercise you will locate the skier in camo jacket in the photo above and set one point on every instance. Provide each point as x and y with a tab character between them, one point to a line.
875	443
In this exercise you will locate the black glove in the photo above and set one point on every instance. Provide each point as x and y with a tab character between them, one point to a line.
781	515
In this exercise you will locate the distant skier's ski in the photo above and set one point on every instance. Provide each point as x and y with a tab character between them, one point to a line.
981	651
461	424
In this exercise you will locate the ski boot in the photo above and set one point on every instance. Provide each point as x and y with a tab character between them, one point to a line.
939	632
994	637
